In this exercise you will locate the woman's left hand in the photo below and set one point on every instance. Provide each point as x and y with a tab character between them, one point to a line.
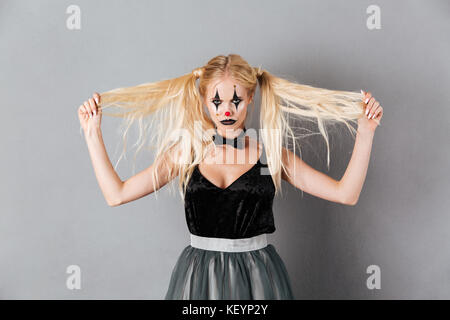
372	113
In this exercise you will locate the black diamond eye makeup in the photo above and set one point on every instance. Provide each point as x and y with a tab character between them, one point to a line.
217	100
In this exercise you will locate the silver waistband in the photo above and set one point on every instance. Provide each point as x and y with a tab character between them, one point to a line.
229	245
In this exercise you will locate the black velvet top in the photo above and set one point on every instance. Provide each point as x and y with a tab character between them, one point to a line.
242	210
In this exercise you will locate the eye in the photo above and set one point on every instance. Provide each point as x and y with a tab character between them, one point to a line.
236	101
216	102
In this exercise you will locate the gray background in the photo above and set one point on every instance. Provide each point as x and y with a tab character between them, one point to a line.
53	213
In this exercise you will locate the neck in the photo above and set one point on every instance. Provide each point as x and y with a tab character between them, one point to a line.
230	133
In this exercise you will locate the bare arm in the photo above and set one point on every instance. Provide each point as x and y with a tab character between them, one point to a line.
107	177
348	189
310	180
353	179
142	183
116	191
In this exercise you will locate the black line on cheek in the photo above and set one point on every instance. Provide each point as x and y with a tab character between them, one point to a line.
235	97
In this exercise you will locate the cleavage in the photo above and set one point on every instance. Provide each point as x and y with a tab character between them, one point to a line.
223	175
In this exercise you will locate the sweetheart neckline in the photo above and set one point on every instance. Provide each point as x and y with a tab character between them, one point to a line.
235	181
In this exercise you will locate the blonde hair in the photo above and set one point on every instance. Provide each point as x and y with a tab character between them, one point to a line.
171	107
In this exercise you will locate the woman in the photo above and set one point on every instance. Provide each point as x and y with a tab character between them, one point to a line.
228	203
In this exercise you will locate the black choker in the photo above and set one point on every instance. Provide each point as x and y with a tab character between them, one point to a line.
237	142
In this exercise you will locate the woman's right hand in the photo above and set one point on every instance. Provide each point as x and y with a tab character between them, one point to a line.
89	114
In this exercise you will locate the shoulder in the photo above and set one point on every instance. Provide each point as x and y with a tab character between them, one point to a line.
172	156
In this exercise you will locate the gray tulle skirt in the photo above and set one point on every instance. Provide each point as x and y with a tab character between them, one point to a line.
218	275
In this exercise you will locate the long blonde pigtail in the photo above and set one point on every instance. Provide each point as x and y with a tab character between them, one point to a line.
283	101
169	109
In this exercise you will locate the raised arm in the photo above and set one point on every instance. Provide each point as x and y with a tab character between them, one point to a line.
348	189
116	191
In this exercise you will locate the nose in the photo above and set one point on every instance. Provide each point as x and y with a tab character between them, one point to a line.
227	113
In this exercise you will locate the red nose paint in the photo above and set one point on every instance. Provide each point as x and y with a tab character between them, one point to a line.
227	113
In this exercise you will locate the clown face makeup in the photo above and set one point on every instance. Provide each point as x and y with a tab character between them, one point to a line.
227	103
